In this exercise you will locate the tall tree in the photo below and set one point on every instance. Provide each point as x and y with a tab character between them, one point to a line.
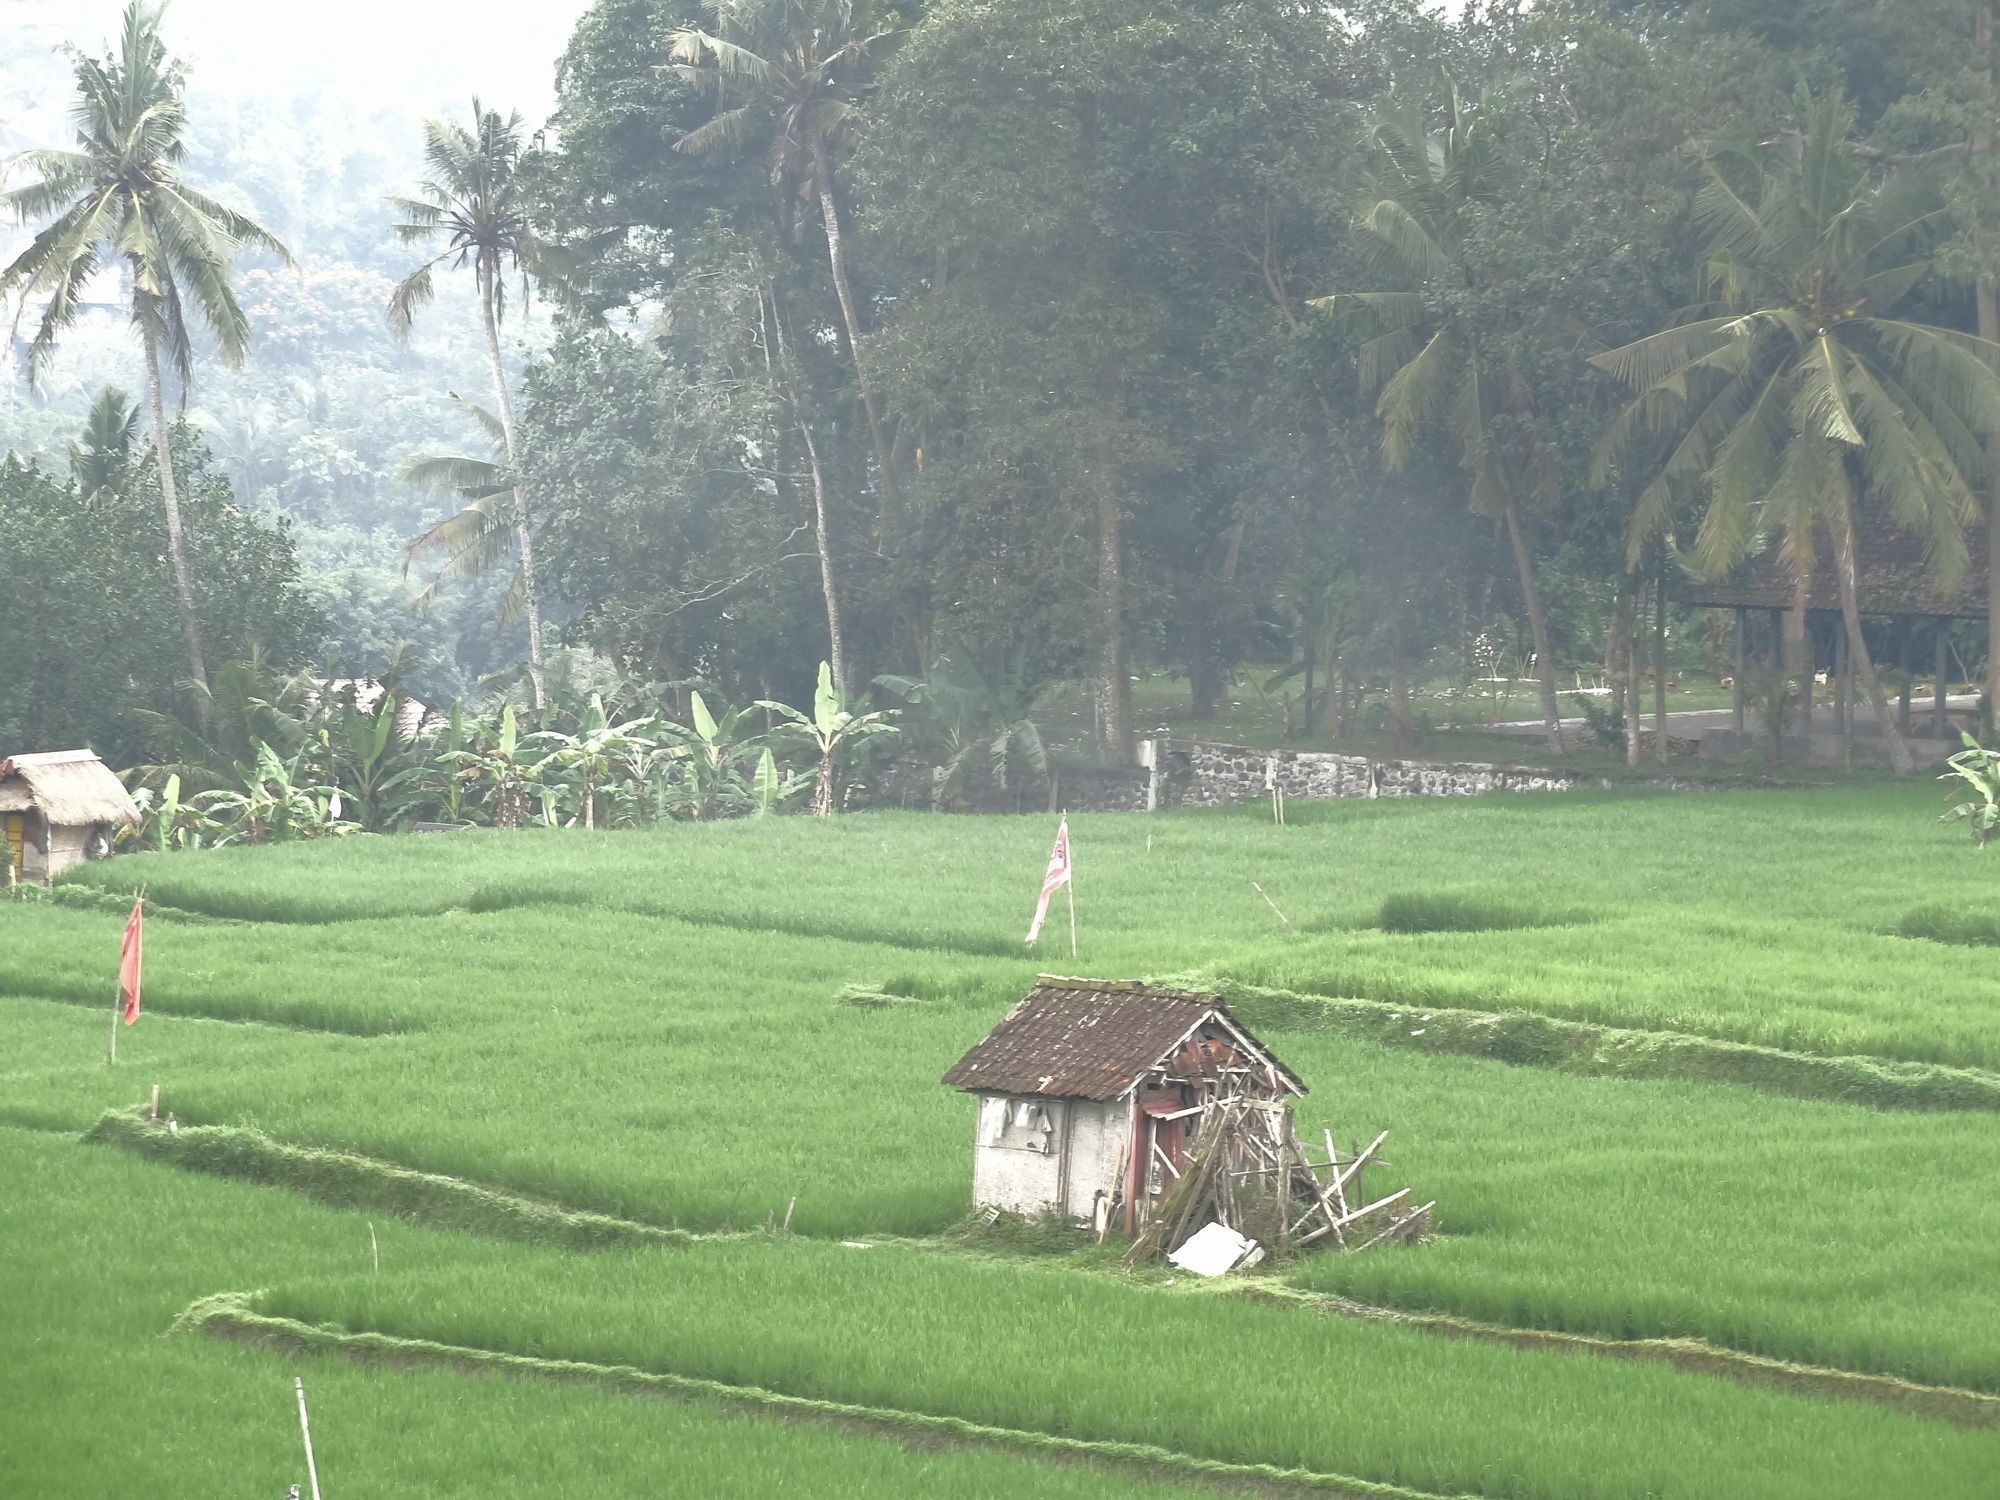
786	77
121	192
1434	360
1791	403
474	197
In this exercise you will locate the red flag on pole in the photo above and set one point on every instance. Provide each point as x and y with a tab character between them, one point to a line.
1053	880
130	958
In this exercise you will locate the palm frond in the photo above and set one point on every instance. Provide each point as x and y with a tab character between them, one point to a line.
1415	397
1647	361
1407	239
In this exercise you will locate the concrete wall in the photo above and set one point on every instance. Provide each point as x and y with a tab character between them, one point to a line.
1016	1168
1096	1153
1062	1167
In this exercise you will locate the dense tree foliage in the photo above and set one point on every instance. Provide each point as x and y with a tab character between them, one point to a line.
1050	342
89	618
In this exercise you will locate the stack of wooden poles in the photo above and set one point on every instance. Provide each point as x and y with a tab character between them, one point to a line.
1248	1169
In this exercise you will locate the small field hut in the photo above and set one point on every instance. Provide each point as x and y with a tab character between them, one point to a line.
1089	1089
57	809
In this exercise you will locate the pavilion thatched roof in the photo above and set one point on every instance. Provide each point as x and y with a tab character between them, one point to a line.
1893	579
70	788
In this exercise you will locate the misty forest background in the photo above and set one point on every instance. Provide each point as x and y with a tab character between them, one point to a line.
987	333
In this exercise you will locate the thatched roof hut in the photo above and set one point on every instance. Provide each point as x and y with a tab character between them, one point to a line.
57	808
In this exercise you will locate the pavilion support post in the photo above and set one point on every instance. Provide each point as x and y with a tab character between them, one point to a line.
1808	676
1780	683
1660	663
1938	688
1837	687
1906	664
1742	665
1842	691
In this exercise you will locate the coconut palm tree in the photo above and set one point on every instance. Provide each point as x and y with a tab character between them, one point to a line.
479	536
1432	366
119	197
1791	402
100	455
786	77
474	198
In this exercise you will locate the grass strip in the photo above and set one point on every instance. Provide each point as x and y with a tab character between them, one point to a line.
118	903
1470	911
233	1315
1531	1040
1966	926
324	1020
345	1180
1958	1408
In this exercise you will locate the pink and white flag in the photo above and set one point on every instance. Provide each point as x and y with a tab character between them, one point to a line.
1056	877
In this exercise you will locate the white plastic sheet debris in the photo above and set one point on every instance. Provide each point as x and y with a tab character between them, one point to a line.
1215	1250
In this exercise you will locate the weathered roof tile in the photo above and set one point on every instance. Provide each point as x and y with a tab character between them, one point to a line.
1087	1039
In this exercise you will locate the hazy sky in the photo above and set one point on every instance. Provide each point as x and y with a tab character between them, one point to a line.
427	53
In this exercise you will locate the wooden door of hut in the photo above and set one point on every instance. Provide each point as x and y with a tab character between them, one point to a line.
14	826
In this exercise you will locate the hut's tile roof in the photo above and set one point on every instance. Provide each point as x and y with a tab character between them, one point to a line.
1084	1039
71	788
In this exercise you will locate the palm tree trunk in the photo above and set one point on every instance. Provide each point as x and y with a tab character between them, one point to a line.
1860	663
778	341
170	502
524	533
836	254
836	640
1114	684
1538	626
1986	303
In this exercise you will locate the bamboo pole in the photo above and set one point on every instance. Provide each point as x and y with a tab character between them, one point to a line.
305	1432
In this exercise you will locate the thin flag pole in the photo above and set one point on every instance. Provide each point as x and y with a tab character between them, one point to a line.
305	1431
117	1011
1069	888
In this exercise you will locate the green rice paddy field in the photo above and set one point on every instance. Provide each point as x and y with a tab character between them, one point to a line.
645	1025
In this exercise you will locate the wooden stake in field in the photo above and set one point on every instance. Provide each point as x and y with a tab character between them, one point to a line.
1274	906
305	1432
125	1004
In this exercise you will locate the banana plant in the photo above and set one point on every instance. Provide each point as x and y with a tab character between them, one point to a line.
166	823
831	731
1978	771
492	761
591	753
708	753
274	804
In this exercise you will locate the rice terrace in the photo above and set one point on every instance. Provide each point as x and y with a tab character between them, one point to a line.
586	1110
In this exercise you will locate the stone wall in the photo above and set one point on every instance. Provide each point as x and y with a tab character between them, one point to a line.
1199	774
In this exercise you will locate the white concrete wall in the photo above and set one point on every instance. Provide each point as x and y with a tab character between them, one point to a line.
1096	1153
1006	1173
